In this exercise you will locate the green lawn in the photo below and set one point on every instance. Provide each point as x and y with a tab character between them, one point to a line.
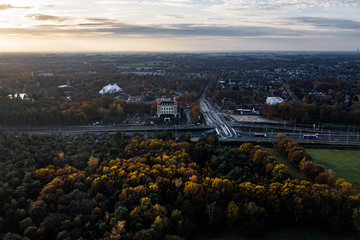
281	233
345	163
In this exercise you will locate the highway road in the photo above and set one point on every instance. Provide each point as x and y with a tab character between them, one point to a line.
226	131
288	128
341	139
215	119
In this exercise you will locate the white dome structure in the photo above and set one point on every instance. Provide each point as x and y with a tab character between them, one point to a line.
110	89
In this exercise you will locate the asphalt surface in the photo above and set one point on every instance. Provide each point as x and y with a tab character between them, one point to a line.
227	132
215	119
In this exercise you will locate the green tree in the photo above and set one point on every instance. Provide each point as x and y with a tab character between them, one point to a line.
120	213
232	214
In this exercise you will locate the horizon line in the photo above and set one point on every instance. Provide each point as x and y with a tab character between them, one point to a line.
180	51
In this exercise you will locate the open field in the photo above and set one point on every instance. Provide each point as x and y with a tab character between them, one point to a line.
345	163
281	233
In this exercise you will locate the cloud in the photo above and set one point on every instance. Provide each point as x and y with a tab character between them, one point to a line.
172	16
190	30
100	21
156	31
328	23
170	3
259	7
43	17
97	27
9	6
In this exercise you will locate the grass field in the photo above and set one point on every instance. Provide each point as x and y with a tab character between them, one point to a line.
345	163
281	233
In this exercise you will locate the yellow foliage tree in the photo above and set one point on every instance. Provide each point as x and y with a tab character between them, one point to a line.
117	230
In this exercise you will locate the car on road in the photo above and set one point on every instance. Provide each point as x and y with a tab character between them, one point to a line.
264	135
311	136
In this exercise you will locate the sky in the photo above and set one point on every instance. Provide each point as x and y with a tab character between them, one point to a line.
179	25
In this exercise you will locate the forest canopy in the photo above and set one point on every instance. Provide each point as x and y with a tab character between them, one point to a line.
115	187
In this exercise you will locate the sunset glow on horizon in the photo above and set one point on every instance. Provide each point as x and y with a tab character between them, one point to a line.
179	25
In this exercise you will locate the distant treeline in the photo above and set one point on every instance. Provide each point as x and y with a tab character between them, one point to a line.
312	113
51	111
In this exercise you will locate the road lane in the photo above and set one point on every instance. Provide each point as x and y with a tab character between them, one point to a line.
214	119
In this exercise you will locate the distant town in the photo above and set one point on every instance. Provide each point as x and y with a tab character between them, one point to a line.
235	94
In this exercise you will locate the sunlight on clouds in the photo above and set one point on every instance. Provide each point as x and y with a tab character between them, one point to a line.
163	25
79	45
256	7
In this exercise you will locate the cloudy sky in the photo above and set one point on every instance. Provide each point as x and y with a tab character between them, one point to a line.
179	25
